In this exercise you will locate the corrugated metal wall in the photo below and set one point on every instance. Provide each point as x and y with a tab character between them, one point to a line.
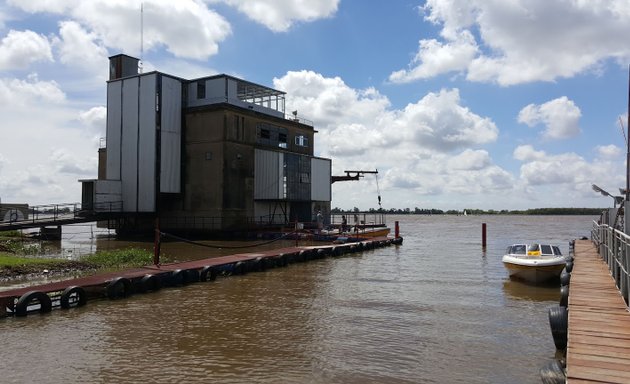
171	128
320	179
268	175
132	137
146	144
114	116
129	144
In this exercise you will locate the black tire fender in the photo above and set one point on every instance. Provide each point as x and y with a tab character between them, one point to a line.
559	322
239	268
45	303
565	278
149	283
553	373
119	288
208	273
192	276
73	296
564	296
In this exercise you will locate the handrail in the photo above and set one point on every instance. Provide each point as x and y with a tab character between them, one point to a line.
613	247
52	214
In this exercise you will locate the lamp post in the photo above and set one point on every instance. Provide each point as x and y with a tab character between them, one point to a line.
616	199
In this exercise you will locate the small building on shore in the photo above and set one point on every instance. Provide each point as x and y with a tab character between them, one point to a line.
214	154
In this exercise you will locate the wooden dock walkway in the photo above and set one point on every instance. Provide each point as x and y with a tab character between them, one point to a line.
122	283
598	341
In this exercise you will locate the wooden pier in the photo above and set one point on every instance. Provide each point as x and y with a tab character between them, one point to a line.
118	284
598	341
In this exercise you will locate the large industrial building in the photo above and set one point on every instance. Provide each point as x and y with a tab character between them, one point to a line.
211	154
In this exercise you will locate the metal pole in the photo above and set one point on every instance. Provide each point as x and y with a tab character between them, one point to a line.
628	143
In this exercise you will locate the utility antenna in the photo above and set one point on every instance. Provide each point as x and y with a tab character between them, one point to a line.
623	131
140	64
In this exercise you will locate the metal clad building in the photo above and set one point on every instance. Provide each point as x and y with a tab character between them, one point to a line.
215	153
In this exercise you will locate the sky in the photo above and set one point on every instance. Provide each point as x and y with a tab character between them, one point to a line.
459	104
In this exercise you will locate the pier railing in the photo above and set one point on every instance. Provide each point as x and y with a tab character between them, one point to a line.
21	216
614	248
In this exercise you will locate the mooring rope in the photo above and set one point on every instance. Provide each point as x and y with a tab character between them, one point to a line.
164	234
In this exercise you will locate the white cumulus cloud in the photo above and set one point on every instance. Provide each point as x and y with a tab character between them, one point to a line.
186	28
18	49
559	116
501	42
280	15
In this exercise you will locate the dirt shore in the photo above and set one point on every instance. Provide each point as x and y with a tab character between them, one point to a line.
53	269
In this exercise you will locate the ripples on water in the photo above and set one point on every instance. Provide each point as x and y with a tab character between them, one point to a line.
438	309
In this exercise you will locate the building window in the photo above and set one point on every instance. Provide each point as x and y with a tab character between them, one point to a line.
271	135
201	89
239	128
301	141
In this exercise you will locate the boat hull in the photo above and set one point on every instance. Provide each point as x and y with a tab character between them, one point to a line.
370	233
533	271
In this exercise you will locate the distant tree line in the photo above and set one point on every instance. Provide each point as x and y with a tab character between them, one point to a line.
425	211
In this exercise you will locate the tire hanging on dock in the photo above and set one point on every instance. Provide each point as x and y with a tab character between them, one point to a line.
119	288
73	296
569	266
559	322
191	276
553	373
177	278
32	298
208	273
149	283
564	296
565	278
239	268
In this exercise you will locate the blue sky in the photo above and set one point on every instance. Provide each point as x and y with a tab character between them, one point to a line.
458	103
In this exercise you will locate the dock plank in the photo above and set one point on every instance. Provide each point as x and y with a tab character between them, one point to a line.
598	348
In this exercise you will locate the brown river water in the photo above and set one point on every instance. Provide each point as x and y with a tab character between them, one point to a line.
437	309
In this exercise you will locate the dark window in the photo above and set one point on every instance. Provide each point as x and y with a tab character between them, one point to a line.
201	89
264	134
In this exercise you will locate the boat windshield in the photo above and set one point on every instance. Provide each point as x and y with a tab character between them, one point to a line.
556	250
546	249
533	248
518	249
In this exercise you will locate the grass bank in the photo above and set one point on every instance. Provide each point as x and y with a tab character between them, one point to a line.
16	262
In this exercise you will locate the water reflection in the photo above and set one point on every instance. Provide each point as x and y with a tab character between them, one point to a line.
522	290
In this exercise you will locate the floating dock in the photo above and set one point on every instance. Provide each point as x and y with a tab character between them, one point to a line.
598	339
120	284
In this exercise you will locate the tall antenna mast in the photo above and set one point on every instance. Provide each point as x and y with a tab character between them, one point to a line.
628	147
140	65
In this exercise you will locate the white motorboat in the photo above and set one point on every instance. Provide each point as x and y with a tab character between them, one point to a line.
534	262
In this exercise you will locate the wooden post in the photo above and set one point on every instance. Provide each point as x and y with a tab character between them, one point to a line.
483	235
396	230
156	243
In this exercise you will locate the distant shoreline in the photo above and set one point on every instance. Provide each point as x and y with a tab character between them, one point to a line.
535	211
